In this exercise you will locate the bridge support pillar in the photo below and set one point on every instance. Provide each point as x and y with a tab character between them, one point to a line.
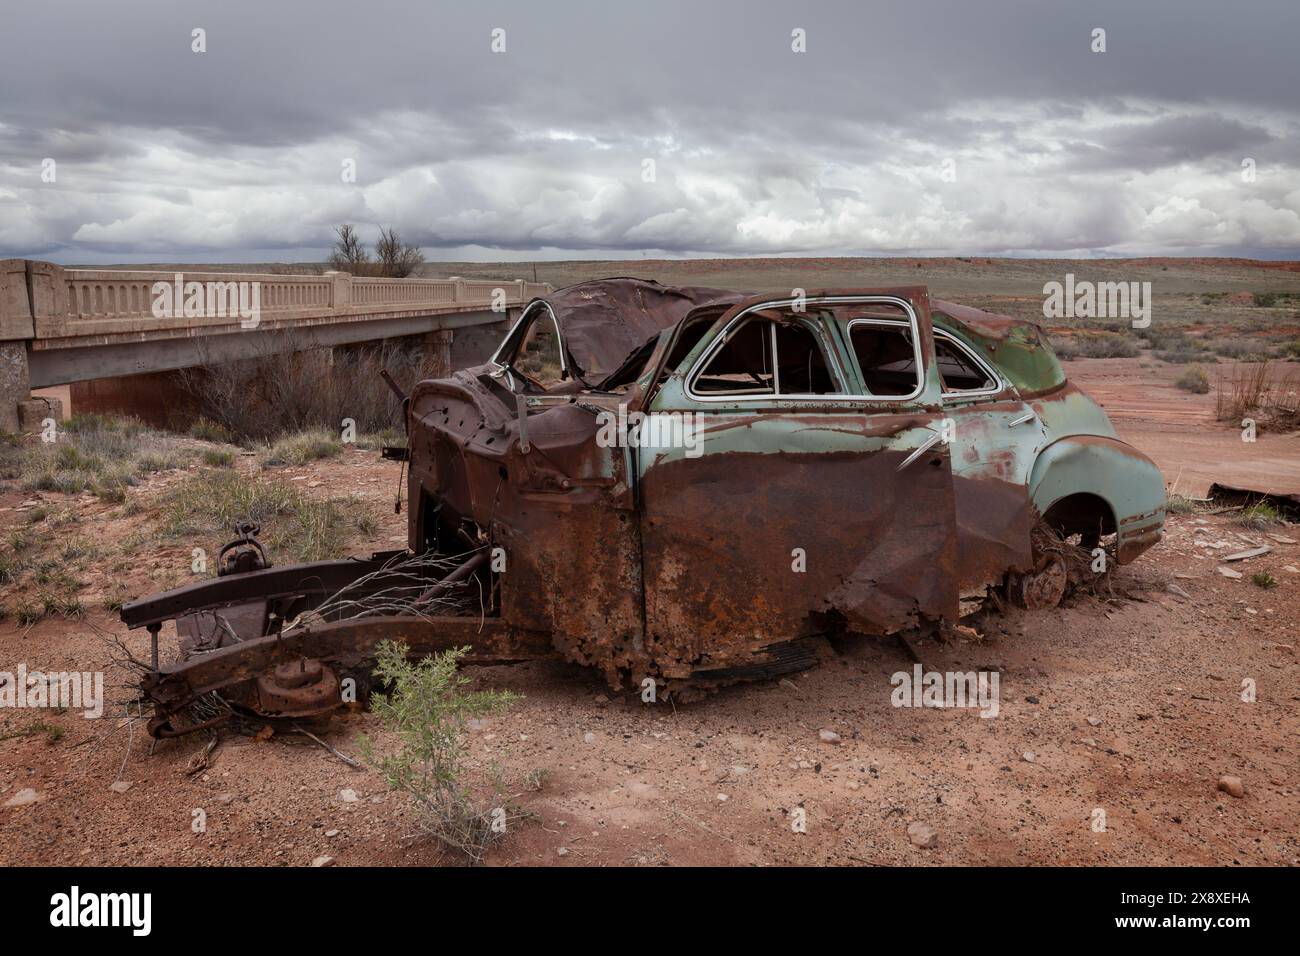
437	354
15	386
17	329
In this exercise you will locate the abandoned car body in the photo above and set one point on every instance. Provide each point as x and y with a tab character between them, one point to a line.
693	486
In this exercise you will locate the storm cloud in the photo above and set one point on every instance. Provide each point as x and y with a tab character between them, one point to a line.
667	128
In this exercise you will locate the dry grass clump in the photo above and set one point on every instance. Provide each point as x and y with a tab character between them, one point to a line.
1267	393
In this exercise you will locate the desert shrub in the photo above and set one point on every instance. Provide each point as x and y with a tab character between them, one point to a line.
206	430
294	526
1265	300
26	613
218	457
1262	579
1194	380
1176	504
1240	348
373	441
427	708
1183	356
1267	393
302	448
1258	516
1095	345
260	399
99	454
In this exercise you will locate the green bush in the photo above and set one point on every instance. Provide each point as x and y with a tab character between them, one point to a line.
1259	515
427	709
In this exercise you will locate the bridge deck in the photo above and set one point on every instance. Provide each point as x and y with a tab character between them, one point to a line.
59	325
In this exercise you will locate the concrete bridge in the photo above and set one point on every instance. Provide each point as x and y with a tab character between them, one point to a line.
60	326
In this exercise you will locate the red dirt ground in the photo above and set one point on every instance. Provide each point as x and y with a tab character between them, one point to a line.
717	782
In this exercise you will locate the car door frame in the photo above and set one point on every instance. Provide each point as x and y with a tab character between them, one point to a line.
882	561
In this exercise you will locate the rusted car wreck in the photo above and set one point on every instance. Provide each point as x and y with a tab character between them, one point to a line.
689	485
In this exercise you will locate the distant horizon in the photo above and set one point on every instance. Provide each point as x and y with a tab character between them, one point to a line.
701	258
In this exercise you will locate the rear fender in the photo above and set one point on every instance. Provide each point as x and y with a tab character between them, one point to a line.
1127	481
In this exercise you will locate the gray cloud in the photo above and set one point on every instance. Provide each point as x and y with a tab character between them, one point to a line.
847	148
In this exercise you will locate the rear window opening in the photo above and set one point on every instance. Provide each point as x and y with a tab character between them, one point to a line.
959	370
887	358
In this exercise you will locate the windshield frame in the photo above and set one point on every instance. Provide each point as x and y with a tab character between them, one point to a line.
514	340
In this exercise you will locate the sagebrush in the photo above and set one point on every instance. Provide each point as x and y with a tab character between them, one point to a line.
428	708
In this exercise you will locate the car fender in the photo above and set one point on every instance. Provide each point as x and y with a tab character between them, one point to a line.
1125	479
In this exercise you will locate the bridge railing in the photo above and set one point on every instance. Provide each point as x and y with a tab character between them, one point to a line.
114	302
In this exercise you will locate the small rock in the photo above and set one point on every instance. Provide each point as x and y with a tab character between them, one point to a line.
348	796
322	861
588	738
331	833
562	851
1232	786
119	786
723	798
23	797
1031	700
1029	756
225	798
1229	572
1094	721
923	835
828	736
1249	553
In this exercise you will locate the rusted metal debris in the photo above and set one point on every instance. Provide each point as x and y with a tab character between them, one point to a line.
851	461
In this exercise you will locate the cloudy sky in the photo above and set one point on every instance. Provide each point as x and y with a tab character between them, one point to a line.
660	128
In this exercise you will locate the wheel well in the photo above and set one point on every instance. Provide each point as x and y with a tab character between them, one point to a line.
1081	513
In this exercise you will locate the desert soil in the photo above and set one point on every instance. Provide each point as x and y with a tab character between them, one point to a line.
1131	706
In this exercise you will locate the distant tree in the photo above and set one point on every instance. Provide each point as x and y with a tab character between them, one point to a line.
349	254
395	259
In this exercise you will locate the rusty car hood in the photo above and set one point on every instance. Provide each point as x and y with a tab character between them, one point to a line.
605	320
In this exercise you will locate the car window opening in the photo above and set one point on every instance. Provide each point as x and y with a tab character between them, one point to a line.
539	353
960	372
887	359
763	357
